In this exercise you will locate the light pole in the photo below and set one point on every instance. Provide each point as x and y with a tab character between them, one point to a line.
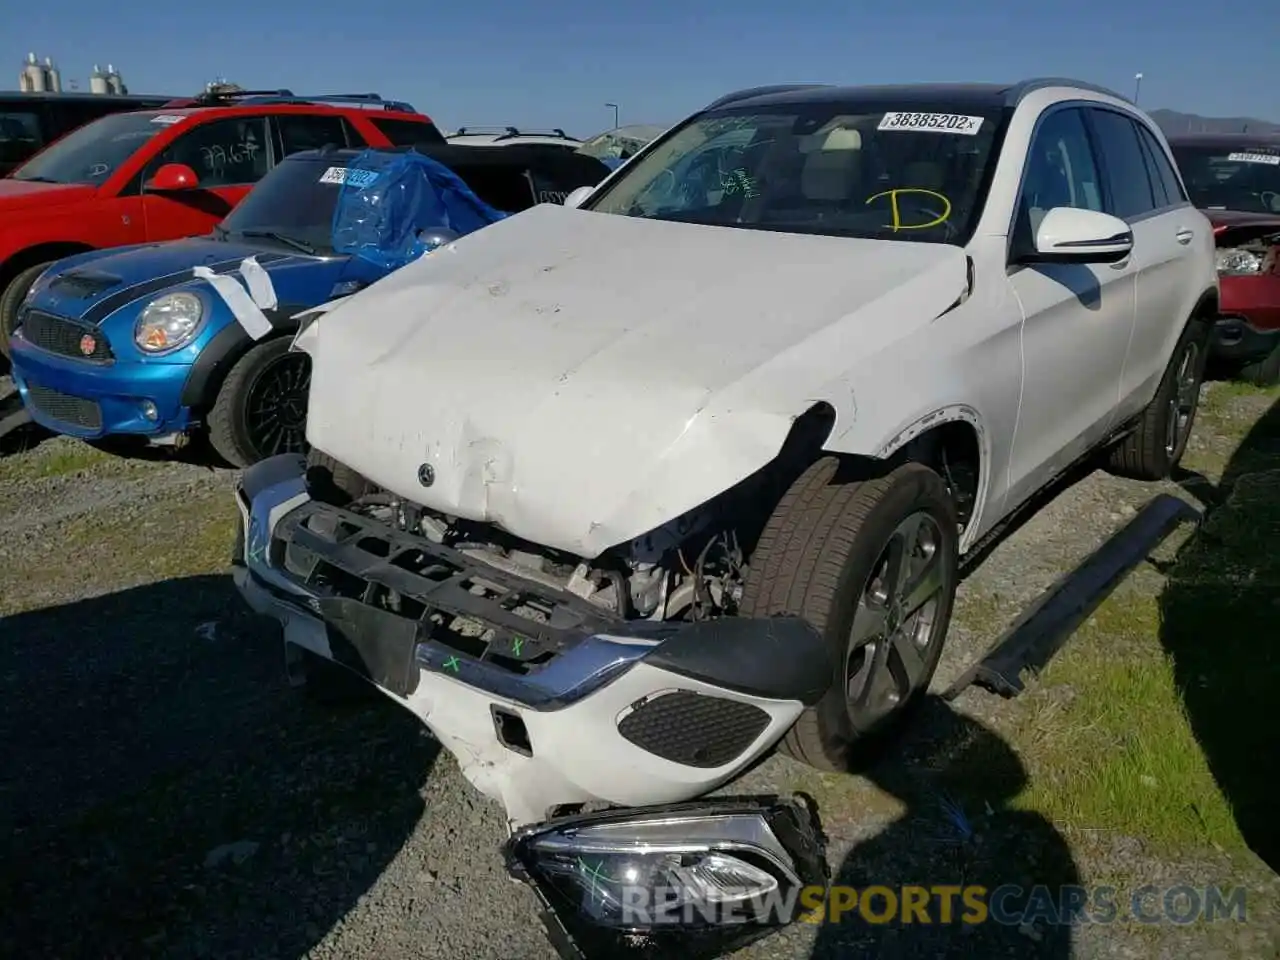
614	106
1137	85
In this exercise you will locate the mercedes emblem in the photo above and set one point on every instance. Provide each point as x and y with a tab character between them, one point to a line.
426	475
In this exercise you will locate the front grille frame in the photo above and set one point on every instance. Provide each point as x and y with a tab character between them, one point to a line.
61	336
73	411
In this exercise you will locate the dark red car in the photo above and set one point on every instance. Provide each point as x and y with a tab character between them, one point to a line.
170	172
1235	179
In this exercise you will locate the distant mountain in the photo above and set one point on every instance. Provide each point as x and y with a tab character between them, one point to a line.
1172	123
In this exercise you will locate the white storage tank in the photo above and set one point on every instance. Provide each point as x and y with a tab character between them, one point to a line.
114	82
52	78
34	74
98	81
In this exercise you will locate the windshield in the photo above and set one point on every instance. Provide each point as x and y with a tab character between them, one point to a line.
850	169
1231	178
294	202
93	152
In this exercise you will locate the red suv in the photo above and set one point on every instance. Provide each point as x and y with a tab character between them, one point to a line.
162	174
1235	179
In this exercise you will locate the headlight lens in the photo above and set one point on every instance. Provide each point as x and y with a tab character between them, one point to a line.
1237	262
713	871
168	322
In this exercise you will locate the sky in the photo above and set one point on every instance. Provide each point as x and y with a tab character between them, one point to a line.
556	63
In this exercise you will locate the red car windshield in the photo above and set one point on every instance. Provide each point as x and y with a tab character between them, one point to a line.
93	152
1231	178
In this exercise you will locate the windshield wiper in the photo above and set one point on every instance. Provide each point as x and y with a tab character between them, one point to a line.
288	241
37	179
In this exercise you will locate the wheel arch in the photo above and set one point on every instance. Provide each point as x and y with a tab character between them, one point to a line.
224	350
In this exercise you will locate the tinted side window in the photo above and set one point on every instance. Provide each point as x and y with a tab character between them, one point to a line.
1164	167
406	133
299	132
223	153
20	136
1061	171
1126	170
1153	176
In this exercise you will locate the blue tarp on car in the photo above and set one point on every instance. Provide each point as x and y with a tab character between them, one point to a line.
388	199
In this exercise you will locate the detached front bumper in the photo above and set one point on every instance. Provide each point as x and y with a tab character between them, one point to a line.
571	706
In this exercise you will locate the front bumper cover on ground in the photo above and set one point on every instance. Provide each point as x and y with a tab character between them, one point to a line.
573	706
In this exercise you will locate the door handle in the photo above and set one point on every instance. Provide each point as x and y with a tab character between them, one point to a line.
1184	236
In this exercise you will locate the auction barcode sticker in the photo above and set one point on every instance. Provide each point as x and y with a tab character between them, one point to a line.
357	178
932	123
1271	158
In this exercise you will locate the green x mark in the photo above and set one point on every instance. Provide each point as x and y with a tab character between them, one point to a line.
452	664
517	644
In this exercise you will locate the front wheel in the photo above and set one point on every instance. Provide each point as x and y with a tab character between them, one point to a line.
261	408
11	299
872	565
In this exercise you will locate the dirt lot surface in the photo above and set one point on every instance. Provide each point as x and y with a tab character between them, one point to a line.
165	794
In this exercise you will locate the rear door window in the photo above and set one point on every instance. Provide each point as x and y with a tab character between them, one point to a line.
407	133
223	153
301	132
1125	167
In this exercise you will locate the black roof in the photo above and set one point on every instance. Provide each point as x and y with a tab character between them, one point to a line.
977	96
521	156
1224	140
65	95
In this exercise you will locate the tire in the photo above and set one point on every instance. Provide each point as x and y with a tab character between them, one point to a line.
261	407
1264	372
334	482
12	298
819	557
1153	449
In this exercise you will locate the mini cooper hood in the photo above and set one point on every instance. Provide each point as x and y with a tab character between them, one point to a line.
93	287
581	378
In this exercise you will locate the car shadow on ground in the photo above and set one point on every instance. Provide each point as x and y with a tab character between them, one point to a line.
957	779
165	793
1219	613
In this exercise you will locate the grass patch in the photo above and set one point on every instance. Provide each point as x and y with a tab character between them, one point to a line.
1158	719
51	459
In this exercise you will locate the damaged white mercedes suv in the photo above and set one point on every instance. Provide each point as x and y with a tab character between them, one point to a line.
617	495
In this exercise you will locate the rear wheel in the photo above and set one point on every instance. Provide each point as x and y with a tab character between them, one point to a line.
261	408
11	299
1153	449
872	565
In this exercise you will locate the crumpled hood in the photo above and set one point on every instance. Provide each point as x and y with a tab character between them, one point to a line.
581	378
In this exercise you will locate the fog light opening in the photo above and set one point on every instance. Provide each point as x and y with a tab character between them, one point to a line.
149	411
511	732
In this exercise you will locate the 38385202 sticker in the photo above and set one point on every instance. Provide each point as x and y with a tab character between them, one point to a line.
356	178
932	123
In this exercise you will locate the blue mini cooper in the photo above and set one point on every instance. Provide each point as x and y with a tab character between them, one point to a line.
166	341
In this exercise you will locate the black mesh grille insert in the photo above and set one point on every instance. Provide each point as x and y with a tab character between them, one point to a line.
692	728
66	338
76	411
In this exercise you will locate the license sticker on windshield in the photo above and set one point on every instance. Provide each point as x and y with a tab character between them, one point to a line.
357	178
932	123
1271	158
166	118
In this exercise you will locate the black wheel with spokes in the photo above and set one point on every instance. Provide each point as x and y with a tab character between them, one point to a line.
261	408
873	565
1153	449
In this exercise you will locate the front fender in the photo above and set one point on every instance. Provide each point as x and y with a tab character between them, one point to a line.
227	346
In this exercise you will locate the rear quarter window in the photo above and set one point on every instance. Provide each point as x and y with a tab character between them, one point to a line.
407	133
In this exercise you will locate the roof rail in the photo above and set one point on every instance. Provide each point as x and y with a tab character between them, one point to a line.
750	92
372	100
504	133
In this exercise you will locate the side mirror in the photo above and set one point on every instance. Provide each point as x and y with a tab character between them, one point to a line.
1070	235
575	199
172	177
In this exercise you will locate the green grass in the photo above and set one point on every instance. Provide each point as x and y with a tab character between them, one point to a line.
1157	719
51	459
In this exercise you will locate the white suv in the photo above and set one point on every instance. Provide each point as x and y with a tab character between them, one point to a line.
616	497
505	136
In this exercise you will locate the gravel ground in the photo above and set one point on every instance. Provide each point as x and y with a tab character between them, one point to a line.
167	795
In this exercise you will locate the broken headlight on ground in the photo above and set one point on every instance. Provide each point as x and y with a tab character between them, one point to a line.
685	880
